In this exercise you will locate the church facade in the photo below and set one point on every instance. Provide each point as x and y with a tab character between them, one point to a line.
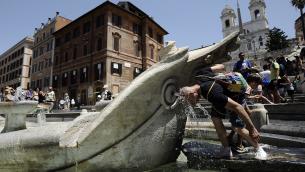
253	33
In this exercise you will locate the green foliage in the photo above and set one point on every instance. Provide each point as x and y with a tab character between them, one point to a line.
298	3
277	39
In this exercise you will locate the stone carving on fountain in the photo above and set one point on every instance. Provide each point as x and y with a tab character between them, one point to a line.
8	94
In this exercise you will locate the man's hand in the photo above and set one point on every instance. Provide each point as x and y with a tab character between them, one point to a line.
254	134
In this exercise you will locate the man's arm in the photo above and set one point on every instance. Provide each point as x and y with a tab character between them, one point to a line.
241	112
218	68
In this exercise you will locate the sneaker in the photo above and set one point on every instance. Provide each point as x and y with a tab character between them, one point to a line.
224	153
260	154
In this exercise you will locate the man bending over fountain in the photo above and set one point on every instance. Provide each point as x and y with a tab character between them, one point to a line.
220	94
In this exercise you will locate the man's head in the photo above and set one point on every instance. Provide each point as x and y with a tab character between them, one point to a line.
241	56
265	67
254	80
191	94
50	88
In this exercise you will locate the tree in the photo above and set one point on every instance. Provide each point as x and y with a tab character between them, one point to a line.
300	5
277	39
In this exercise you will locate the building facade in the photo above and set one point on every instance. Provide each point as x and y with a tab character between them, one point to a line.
254	32
15	65
108	46
299	31
43	52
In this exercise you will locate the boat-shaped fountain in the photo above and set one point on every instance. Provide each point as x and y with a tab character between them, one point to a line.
140	129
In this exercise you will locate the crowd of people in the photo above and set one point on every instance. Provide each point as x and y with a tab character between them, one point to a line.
278	78
230	92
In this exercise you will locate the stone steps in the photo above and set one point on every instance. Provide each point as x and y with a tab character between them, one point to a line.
277	133
267	138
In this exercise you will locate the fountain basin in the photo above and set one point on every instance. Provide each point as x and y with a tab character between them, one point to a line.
201	155
15	114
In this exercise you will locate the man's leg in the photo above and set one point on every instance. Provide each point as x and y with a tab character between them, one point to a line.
225	151
221	131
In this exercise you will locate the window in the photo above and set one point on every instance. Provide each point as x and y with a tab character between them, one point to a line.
86	27
57	42
137	71
46	82
260	39
136	48
116	43
99	44
55	81
257	14
56	60
48	47
40	51
150	32
75	52
160	38
46	63
152	51
85	50
98	71
116	68
73	77
116	20
83	74
76	32
64	79
135	28
51	30
67	37
50	62
66	56
99	21
227	23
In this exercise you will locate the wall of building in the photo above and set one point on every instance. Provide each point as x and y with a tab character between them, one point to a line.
125	57
15	65
41	70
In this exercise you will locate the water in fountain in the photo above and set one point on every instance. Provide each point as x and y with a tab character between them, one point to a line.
19	94
192	115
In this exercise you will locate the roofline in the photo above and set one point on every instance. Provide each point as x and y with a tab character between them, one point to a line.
299	18
52	21
110	3
26	39
143	13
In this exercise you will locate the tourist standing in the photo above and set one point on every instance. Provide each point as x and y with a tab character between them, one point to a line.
35	94
67	102
50	98
41	96
274	76
242	66
29	94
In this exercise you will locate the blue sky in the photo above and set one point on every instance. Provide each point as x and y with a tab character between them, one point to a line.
191	23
